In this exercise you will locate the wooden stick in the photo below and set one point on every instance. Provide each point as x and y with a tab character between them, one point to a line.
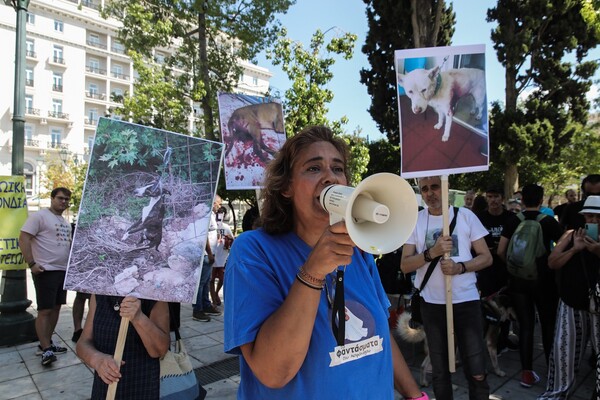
112	388
449	310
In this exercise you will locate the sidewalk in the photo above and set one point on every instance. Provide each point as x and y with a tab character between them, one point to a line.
23	377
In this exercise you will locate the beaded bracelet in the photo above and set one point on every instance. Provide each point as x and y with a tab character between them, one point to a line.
308	278
302	281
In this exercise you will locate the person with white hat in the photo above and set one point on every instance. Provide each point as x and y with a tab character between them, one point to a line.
576	258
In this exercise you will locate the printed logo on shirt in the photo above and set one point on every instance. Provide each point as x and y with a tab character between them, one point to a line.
360	340
63	235
432	235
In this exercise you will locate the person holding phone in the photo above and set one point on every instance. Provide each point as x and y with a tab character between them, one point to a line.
576	257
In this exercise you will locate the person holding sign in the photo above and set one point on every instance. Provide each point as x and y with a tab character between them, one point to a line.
279	289
147	340
425	245
45	242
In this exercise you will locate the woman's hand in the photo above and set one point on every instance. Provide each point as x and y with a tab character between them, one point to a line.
579	240
107	369
131	308
591	245
334	248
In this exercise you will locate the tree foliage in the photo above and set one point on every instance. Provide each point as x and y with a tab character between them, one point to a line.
396	25
69	174
306	101
206	40
534	40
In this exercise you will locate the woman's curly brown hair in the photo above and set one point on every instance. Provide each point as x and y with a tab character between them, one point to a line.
277	212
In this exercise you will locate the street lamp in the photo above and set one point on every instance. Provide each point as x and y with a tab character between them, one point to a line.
16	324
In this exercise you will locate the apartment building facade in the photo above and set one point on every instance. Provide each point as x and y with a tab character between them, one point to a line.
74	66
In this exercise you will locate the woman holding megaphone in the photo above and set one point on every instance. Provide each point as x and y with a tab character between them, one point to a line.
280	291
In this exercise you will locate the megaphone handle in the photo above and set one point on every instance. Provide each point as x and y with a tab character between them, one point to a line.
339	309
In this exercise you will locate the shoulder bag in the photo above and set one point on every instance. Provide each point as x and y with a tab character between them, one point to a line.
415	302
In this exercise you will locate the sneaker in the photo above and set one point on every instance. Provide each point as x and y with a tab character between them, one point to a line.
48	357
529	378
76	335
55	349
200	316
212	310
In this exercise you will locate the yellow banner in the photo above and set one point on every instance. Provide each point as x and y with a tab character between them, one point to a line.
13	214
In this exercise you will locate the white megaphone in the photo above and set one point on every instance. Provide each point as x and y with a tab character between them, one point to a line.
380	213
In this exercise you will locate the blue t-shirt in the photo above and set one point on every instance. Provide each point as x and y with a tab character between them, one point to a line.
260	271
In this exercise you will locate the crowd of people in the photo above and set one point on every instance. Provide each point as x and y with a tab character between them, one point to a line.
284	278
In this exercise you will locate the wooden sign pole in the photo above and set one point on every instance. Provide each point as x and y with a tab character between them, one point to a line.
112	388
449	310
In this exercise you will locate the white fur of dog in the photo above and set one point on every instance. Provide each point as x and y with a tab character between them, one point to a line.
441	90
412	335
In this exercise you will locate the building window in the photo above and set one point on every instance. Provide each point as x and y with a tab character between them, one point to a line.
28	171
90	142
93	115
57	54
58	26
118	47
28	135
30	48
55	136
255	81
30	18
57	82
94	65
93	89
29	104
159	57
117	71
57	106
94	39
29	76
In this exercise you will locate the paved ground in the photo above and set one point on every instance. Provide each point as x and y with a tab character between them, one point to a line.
23	377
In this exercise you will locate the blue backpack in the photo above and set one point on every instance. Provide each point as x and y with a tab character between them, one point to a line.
524	248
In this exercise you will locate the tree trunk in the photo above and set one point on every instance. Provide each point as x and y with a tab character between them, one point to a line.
511	180
209	123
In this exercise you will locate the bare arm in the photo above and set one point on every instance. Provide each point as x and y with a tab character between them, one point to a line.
482	259
403	379
25	240
560	255
502	246
283	340
153	330
412	261
104	364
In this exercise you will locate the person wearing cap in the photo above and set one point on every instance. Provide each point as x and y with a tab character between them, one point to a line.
514	206
576	259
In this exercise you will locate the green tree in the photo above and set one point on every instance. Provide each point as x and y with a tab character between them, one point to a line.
532	41
69	174
306	100
395	25
208	39
309	70
386	157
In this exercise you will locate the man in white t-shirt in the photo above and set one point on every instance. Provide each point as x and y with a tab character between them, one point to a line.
45	242
425	244
225	238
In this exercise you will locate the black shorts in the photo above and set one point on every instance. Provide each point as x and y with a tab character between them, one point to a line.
49	291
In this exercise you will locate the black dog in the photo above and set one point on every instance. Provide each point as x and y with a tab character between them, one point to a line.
151	221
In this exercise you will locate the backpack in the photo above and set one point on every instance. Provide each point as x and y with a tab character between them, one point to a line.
525	246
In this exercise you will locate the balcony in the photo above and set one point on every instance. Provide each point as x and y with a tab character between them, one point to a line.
32	143
32	111
90	121
119	75
96	44
29	82
95	70
57	61
58	115
95	95
57	145
57	88
30	54
90	4
118	49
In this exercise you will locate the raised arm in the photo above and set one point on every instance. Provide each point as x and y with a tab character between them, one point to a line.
282	342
